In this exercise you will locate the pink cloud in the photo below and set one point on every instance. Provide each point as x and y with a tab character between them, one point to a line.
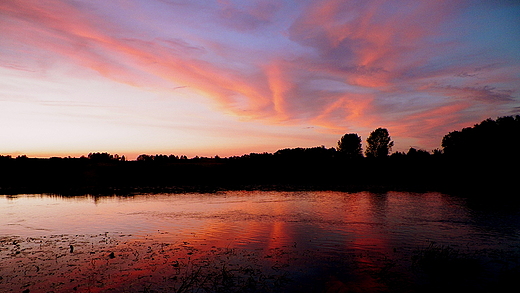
370	43
342	114
375	53
434	122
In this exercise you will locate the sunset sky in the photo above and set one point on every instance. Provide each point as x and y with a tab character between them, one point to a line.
232	77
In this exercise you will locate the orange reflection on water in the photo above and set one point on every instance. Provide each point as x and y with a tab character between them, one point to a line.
164	242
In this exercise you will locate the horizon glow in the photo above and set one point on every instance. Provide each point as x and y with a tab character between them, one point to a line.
228	78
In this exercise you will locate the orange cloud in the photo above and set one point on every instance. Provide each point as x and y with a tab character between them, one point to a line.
429	126
352	109
373	56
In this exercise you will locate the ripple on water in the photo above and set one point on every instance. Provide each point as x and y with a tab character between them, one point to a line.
298	240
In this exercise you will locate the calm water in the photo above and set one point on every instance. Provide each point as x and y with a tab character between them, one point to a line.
301	241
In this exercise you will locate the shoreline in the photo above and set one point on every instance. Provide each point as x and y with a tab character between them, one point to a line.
469	191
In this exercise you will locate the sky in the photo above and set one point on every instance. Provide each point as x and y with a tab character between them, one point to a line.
228	77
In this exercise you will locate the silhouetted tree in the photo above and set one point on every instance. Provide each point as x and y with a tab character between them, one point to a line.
489	138
349	145
398	155
437	152
319	153
415	153
305	154
144	158
100	157
119	158
161	158
379	144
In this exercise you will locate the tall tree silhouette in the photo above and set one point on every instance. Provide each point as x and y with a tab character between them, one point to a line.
349	146
379	144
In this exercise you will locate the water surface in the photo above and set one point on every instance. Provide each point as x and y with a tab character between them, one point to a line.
255	241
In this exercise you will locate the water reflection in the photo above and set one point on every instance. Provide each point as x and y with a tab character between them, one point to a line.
298	241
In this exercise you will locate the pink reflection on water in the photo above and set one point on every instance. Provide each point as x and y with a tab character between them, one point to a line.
162	241
237	219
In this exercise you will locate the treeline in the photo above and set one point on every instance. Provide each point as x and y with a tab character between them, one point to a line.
490	138
480	158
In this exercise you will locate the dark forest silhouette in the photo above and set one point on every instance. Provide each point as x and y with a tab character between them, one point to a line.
484	157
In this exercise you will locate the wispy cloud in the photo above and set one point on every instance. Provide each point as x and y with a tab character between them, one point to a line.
340	65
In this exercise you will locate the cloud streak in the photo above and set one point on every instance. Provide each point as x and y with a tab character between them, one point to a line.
338	65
